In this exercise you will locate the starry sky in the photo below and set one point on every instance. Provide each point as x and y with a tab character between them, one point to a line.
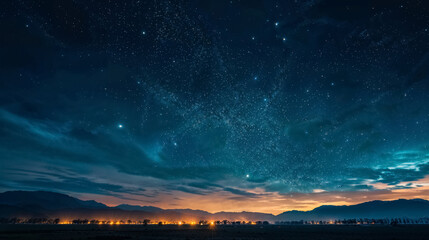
216	105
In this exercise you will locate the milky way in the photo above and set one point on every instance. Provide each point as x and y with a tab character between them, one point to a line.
217	105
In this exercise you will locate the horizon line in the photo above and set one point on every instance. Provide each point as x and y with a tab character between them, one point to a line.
211	212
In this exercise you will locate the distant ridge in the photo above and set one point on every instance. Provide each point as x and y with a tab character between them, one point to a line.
139	208
46	200
413	208
57	205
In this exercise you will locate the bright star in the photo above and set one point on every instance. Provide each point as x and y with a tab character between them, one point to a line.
247	175
120	126
277	23
144	32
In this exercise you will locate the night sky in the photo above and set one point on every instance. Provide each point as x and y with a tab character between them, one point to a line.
216	105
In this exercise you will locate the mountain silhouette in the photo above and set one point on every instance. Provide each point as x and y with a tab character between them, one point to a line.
139	208
26	204
46	200
413	208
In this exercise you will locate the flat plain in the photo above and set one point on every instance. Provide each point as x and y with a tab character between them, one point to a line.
243	232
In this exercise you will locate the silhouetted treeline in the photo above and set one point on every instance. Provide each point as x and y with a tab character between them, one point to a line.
29	220
360	221
355	221
140	222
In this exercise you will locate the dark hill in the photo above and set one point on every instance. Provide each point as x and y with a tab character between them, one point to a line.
25	204
413	208
45	200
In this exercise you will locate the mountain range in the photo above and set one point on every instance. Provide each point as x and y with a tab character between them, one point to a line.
28	204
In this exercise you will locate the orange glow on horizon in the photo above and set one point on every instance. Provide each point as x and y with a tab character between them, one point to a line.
276	203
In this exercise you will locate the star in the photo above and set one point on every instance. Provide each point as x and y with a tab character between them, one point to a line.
320	110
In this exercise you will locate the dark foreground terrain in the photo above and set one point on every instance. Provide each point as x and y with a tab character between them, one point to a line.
215	232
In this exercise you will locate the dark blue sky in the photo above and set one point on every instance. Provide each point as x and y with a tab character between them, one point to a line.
217	105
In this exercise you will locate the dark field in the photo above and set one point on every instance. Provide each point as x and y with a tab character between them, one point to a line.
216	232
